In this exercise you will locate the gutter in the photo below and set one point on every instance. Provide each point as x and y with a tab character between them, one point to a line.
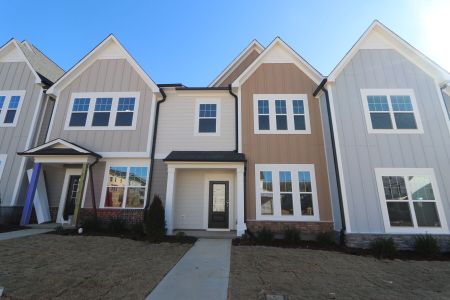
333	145
152	154
236	108
91	182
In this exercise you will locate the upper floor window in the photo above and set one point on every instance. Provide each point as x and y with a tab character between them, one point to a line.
10	104
391	111
286	192
208	117
281	114
410	200
2	164
103	111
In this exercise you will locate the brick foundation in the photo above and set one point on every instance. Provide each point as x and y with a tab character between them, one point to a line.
130	216
10	214
307	228
402	241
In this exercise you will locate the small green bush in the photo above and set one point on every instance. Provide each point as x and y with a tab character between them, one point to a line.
154	220
91	224
325	239
426	245
137	229
264	236
292	236
384	248
117	226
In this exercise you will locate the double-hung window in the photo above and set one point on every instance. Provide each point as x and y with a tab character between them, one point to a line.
103	111
281	114
391	111
410	200
10	104
286	192
126	186
208	117
2	163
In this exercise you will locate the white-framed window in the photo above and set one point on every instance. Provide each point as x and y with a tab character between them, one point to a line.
10	105
207	117
286	192
281	114
391	111
410	201
125	184
102	111
2	164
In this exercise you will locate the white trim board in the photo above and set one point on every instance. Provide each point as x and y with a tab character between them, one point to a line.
8	94
3	158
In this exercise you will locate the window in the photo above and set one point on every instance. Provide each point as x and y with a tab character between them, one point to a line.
2	164
263	115
286	192
103	111
391	111
281	114
409	200
10	104
126	187
208	117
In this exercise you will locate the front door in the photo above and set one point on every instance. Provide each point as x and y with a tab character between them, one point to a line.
72	189
218	204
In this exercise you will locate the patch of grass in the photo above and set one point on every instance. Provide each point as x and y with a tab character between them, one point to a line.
384	248
325	239
426	245
264	236
292	236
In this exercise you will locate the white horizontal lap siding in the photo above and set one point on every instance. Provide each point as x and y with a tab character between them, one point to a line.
177	125
107	76
362	152
17	76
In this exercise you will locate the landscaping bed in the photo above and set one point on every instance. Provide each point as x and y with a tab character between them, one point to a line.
84	267
8	228
299	273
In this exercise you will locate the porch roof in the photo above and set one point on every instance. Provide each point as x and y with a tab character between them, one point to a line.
206	156
59	147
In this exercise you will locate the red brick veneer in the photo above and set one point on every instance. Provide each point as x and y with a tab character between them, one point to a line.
279	226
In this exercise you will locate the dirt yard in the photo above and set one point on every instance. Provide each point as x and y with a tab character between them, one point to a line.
83	267
314	274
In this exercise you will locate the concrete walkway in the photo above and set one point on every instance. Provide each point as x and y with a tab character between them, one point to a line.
202	273
21	233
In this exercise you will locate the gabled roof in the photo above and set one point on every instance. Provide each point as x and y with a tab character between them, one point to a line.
279	52
253	46
43	68
109	48
378	36
58	147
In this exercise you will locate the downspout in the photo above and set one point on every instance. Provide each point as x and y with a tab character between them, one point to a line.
333	146
236	133
152	154
91	182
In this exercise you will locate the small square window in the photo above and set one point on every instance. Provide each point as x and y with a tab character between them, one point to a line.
207	122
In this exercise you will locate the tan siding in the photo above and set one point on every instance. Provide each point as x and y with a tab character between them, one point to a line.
278	78
226	80
106	75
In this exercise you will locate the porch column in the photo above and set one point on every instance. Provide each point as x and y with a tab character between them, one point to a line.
240	226
28	205
170	191
80	192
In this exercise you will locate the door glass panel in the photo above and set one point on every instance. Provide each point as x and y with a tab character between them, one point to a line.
219	197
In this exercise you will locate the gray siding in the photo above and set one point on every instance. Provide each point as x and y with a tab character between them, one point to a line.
54	181
16	76
332	179
106	75
363	152
159	182
447	102
46	116
99	174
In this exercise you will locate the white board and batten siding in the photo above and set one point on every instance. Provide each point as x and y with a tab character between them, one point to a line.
362	152
109	76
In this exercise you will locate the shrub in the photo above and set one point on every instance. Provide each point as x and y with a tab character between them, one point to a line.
91	224
384	248
426	245
264	236
137	229
117	226
292	236
325	239
154	220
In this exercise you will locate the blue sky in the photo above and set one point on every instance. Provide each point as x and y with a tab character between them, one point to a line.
193	41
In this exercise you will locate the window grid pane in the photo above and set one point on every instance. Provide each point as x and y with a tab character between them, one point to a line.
263	107
103	104
207	118
378	103
126	187
298	107
14	102
208	110
126	104
2	101
81	104
401	103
